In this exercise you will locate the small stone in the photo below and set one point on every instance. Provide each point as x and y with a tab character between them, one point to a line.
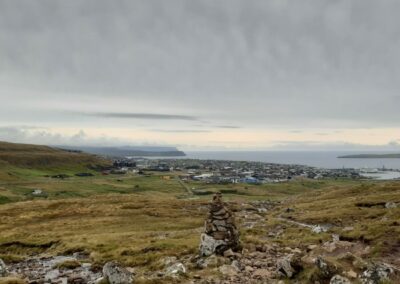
220	212
86	265
337	279
228	253
262	273
236	264
76	279
169	260
101	280
329	246
311	247
52	275
335	238
318	229
307	259
296	250
228	270
390	205
351	274
348	229
175	269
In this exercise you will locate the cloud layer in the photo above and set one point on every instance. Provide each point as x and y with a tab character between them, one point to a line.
230	64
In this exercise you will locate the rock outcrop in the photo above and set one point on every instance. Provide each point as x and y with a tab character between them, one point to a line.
220	233
3	269
376	274
116	274
57	269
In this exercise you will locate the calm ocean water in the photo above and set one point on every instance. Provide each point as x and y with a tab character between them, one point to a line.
323	159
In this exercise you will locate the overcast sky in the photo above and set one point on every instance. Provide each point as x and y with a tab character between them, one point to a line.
201	74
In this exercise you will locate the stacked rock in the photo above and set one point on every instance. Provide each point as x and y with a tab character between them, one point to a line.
220	226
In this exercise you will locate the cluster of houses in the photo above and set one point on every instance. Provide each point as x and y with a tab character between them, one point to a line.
219	171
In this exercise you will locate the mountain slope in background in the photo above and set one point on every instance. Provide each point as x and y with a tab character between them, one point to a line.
125	151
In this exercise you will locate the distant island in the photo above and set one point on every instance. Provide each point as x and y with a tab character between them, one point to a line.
128	151
371	156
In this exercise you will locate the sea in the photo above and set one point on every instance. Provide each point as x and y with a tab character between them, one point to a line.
320	159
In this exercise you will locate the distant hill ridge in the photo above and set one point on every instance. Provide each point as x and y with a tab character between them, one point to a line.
124	151
371	156
38	156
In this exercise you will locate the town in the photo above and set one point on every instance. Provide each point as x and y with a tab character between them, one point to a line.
224	172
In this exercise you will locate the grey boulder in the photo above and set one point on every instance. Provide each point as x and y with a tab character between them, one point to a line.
116	274
208	245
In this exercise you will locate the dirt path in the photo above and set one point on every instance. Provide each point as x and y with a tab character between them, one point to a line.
187	189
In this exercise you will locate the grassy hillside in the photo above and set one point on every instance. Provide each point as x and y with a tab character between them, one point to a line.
140	219
139	228
43	157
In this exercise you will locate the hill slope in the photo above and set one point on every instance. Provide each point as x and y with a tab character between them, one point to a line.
44	157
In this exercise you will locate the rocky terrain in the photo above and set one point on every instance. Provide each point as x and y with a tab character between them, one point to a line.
334	261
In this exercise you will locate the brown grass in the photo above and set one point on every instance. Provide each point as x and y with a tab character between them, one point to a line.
132	229
36	156
11	280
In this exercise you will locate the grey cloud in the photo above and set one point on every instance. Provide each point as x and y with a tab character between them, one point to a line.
228	126
180	131
277	63
142	116
28	135
39	135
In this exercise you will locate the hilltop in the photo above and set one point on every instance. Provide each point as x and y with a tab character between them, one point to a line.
29	156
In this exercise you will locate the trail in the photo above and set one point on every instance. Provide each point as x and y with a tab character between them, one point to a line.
313	228
188	190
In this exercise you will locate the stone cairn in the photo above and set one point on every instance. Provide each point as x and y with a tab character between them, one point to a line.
220	232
